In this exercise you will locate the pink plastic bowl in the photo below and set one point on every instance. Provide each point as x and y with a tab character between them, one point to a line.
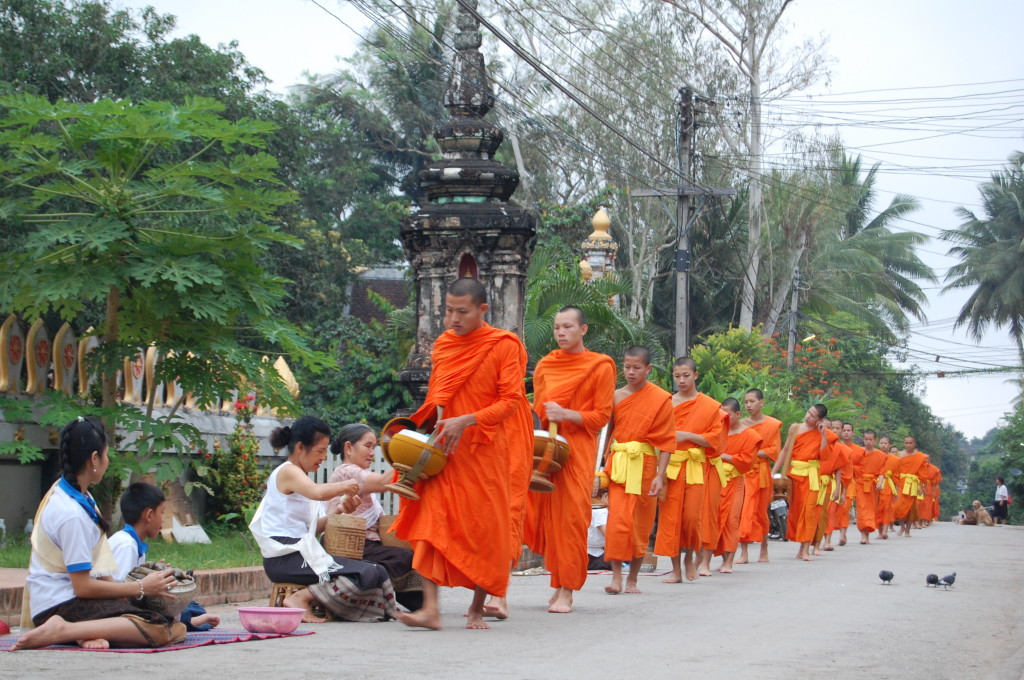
281	620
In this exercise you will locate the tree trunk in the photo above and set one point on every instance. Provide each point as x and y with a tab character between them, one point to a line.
779	296
749	293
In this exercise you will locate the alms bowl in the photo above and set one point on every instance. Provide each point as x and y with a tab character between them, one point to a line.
541	439
406	447
281	620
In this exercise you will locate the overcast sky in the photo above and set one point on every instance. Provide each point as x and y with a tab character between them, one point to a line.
932	89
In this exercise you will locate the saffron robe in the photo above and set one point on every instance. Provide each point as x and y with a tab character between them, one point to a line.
828	509
867	470
557	522
757	483
804	509
463	528
907	469
743	447
680	513
886	496
644	416
839	516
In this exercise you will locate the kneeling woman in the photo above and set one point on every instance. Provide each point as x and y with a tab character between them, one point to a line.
287	523
356	444
70	591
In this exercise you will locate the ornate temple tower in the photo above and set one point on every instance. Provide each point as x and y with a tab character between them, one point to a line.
467	227
599	248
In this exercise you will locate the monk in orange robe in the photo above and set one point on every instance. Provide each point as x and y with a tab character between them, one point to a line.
699	425
643	437
868	470
807	443
574	388
757	483
887	491
738	455
839	514
925	500
936	493
462	528
909	471
835	473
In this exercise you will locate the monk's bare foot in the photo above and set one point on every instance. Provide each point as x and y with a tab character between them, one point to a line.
806	558
632	588
296	602
496	607
99	643
616	586
675	577
562	603
475	621
724	570
828	548
744	557
842	542
52	632
863	542
763	557
424	619
703	571
691	572
741	560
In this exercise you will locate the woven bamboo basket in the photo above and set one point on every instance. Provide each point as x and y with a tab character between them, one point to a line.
345	536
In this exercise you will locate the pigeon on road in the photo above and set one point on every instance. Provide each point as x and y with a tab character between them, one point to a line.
931	580
947	581
886	577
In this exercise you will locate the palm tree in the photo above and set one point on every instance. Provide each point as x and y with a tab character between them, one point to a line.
991	253
855	261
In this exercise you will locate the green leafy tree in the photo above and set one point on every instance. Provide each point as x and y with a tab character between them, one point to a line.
160	215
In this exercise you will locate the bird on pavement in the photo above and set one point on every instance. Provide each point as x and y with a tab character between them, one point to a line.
947	581
886	577
931	580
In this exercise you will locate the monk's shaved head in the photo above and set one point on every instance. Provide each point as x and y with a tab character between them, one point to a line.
686	362
756	392
731	404
638	352
471	287
581	318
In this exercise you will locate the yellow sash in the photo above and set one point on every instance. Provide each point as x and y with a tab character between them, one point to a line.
828	484
51	558
889	482
911	484
724	473
628	464
694	468
807	468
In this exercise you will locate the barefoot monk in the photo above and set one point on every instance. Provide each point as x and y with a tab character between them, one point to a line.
462	529
643	438
574	388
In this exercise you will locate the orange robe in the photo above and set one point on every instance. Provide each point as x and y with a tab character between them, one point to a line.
680	514
804	509
936	494
867	470
887	496
757	483
558	521
835	468
462	530
925	505
644	416
743	447
839	516
909	473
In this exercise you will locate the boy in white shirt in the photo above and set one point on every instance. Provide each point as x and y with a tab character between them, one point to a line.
142	508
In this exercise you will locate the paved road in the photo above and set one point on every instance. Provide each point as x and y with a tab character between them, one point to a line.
784	620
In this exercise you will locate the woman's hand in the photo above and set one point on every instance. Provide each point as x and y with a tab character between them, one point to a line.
348	504
349	487
158	583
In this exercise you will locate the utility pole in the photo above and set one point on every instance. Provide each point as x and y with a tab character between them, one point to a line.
793	300
686	145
